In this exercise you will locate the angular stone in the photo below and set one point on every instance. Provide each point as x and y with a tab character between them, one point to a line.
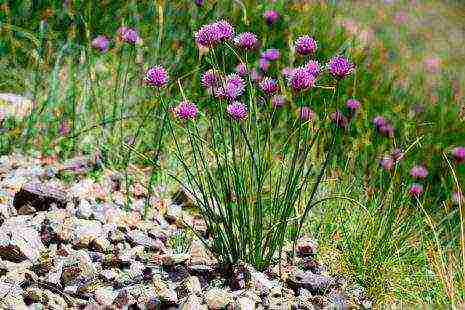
105	296
140	238
315	283
217	298
19	242
39	196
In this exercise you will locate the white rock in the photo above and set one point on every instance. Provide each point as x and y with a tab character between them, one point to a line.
218	298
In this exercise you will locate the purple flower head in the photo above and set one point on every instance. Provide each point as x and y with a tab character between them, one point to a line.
255	76
353	105
199	3
278	101
64	128
313	67
340	67
237	111
301	79
128	35
306	114
156	77
386	130
339	119
271	17
100	43
386	163
397	155
416	190
210	80
232	89
271	54
263	64
459	154
305	45
379	121
186	111
269	86
211	35
241	69
458	198
246	40
287	72
418	172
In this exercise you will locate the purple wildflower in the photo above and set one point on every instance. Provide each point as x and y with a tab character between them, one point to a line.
199	3
241	69
287	72
211	35
210	80
271	17
305	45
458	198
237	111
64	128
100	43
278	101
416	190
379	121
340	67
459	154
246	40
386	163
255	76
129	35
313	67
387	130
269	86
186	111
339	119
271	54
397	155
353	105
306	114
301	79
263	64
232	89
418	172
156	77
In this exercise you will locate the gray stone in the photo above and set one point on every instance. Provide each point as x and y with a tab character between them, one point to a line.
217	298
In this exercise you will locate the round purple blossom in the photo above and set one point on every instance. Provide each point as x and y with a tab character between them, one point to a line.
278	101
211	35
418	172
210	80
416	190
186	111
287	73
306	114
156	77
128	35
340	67
246	40
269	86
232	89
241	69
263	64
313	67
379	121
339	119
353	105
271	17
237	111
255	76
386	163
397	155
459	154
386	130
199	3
271	54
100	43
301	79
305	45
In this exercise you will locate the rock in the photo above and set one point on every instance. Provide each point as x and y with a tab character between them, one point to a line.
164	292
55	301
11	296
261	282
192	285
245	303
19	242
13	105
315	283
193	302
39	196
84	209
306	247
173	213
175	259
183	198
136	269
239	278
140	238
217	298
105	296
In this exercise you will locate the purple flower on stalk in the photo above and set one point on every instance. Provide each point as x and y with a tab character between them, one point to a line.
301	79
418	172
100	43
255	76
209	80
313	67
339	119
416	190
271	17
237	111
305	45
263	64
459	154
232	89
156	77
386	163
128	35
287	73
269	86
271	54
397	155
386	130
64	128
340	67
306	114
241	69
186	111
199	3
458	198
379	121
246	40
211	35
353	105
278	101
